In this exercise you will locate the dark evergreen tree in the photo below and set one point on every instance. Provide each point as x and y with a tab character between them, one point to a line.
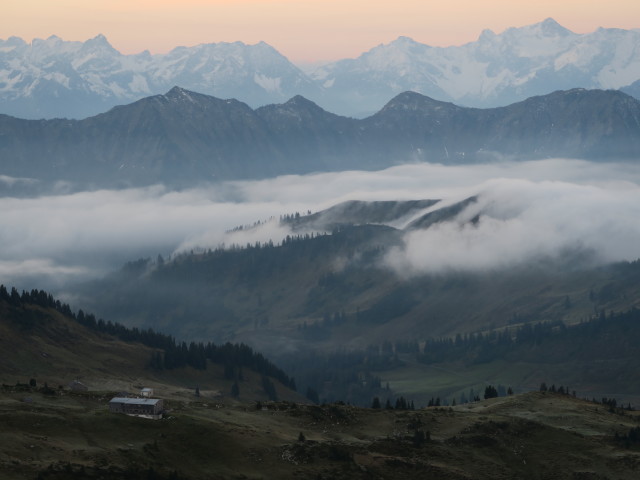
490	392
419	438
4	295
269	388
312	395
235	390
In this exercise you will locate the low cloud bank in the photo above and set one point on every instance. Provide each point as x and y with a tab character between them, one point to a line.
519	221
526	209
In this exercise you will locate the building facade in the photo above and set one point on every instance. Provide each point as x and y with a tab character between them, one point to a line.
152	407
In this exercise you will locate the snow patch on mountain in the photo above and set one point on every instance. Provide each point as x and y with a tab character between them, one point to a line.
269	84
139	85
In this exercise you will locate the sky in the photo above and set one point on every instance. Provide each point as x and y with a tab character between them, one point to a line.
303	30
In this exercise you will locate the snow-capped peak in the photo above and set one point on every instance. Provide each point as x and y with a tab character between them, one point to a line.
497	69
99	40
77	79
486	34
404	40
550	27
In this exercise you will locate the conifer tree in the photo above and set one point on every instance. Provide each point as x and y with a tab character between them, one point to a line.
235	390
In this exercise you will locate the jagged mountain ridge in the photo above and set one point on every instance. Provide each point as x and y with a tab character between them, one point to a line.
56	78
184	137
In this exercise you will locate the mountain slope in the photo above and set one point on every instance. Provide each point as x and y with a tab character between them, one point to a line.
43	340
265	293
574	123
345	315
184	137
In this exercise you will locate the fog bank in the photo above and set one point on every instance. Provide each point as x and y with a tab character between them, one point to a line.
525	210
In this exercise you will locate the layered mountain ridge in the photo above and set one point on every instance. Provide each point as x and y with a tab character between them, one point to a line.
56	78
184	137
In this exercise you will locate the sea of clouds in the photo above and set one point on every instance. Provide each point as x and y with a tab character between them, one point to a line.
526	210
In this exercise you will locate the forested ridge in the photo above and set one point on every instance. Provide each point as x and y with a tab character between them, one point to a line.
234	290
342	330
612	335
169	353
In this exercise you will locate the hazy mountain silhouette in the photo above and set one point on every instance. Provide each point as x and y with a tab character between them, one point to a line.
184	137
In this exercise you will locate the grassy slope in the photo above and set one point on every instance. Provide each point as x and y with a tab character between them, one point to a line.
449	380
57	350
72	435
526	436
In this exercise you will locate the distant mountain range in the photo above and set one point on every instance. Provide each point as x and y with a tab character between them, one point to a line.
183	137
495	70
55	78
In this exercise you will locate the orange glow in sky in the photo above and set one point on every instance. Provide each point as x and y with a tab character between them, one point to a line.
302	30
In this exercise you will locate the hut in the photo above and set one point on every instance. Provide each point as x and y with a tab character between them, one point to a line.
142	407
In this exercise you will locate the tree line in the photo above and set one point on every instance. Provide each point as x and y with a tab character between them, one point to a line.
479	348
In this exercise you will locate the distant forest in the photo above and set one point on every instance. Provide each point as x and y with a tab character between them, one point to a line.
352	374
614	335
